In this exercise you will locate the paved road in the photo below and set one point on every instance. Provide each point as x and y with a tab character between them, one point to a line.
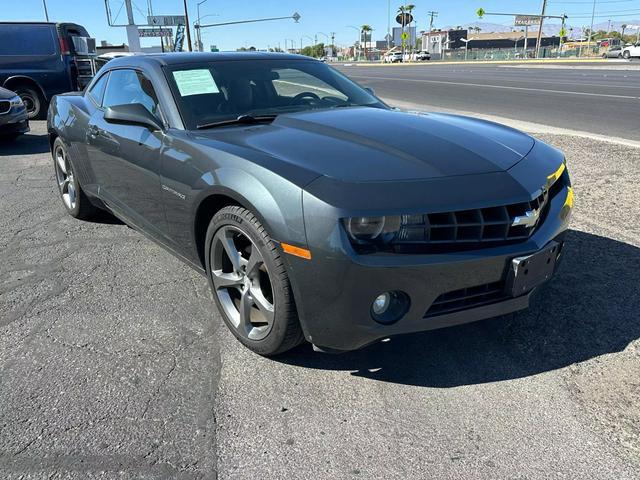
115	364
596	99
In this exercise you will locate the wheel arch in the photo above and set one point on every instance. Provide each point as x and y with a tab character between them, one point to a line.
17	80
213	201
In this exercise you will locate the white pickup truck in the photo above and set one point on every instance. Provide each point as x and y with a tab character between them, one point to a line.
629	51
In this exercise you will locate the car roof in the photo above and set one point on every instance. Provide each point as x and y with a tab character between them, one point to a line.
182	58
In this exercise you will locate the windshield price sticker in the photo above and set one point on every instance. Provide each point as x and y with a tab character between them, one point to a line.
195	82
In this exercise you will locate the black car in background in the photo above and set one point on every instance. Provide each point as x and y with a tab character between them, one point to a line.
39	60
13	115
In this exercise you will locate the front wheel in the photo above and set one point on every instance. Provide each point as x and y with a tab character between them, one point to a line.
626	54
250	284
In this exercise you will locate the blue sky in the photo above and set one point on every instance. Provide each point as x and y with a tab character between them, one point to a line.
317	16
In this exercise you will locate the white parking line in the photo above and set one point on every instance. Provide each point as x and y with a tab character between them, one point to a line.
563	92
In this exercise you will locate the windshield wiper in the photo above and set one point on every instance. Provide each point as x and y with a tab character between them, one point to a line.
241	119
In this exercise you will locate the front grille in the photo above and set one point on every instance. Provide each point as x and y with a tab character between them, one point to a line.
464	229
5	106
467	298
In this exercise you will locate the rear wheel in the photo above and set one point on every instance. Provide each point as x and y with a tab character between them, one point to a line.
250	283
32	100
74	199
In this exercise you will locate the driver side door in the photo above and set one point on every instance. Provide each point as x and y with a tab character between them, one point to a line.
126	157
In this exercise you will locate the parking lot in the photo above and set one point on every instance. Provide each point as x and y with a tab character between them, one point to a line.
115	363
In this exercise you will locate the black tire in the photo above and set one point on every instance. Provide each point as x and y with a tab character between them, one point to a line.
33	100
604	55
626	54
285	332
81	208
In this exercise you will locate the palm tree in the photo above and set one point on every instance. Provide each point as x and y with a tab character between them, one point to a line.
365	29
624	27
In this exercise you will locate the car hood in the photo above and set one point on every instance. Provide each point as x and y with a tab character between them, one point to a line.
6	94
370	145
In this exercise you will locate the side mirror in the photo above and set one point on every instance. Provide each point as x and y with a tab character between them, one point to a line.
132	114
370	90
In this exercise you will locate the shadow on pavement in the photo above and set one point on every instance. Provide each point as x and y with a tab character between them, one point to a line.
589	309
27	144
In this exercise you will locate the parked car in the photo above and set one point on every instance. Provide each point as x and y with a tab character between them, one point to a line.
422	56
313	208
13	115
392	57
631	51
39	60
613	52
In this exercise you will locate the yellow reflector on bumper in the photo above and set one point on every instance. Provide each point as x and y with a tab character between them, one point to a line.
568	205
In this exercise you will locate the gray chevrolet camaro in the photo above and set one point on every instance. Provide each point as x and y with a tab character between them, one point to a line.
315	210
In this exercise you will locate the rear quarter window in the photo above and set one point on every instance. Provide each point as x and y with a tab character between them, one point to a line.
21	39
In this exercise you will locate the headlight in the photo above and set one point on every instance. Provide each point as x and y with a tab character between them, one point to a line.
16	101
368	229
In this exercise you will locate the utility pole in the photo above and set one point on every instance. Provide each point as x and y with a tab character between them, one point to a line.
46	13
431	14
593	14
186	20
544	9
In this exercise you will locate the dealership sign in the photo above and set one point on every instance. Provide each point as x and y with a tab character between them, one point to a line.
527	20
166	20
155	32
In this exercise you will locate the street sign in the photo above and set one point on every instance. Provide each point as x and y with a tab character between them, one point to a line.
480	12
404	36
166	20
527	20
155	32
296	16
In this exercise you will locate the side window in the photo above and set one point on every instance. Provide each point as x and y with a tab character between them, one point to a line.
19	39
97	91
129	86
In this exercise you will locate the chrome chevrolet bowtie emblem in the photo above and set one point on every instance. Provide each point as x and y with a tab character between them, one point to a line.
529	219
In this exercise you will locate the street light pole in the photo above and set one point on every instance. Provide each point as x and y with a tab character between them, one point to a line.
198	35
46	13
355	48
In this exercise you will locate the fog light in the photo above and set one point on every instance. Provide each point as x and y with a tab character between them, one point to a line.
389	307
381	303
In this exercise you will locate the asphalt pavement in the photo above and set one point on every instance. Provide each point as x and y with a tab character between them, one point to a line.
602	98
114	362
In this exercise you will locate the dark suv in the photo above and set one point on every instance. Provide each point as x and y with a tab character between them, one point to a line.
39	60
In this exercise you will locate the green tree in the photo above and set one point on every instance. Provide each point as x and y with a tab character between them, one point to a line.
366	30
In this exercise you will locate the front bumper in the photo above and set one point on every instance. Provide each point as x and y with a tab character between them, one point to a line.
14	122
335	290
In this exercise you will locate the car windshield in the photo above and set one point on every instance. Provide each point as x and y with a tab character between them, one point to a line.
219	91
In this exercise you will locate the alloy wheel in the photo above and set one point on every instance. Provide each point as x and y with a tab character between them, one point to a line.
242	283
65	177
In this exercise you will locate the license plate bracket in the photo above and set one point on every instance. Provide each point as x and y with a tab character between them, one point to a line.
529	271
